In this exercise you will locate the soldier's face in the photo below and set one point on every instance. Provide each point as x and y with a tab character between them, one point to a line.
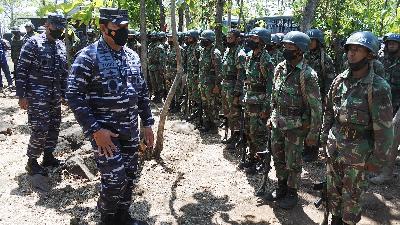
28	29
291	47
231	38
393	46
356	53
313	44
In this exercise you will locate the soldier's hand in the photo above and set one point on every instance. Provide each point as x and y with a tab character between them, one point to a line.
215	90
104	142
23	103
149	137
263	115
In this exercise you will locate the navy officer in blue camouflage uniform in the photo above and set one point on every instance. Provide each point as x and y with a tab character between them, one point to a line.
107	92
40	86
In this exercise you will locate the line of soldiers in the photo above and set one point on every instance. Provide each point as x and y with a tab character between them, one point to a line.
281	91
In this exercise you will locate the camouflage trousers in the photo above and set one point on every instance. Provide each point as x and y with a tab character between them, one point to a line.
287	148
117	175
230	107
6	70
345	185
210	102
44	119
193	87
256	129
157	82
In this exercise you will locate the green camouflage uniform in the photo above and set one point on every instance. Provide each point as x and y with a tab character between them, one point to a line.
296	115
276	56
379	68
210	77
192	70
257	99
171	66
392	69
322	63
16	45
156	65
233	74
355	129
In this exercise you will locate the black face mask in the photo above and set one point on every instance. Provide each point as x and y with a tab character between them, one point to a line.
230	44
204	43
252	44
57	34
358	65
171	43
120	36
289	55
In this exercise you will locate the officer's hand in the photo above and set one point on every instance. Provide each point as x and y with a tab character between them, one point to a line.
215	90
23	103
104	143
263	115
149	137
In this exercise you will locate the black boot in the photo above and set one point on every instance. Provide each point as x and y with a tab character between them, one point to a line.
124	218
50	161
33	167
310	153
336	220
107	219
252	168
290	200
278	193
231	142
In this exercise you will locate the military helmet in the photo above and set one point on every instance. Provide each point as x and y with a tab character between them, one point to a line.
386	35
262	33
208	35
193	33
393	37
364	38
131	32
15	29
58	20
300	39
29	24
161	35
316	34
275	39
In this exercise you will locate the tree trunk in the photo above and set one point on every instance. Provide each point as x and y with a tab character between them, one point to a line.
187	15
218	24
143	38
162	15
381	22
229	14
308	15
240	13
180	16
163	116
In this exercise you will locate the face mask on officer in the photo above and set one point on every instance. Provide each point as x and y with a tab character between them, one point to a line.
119	36
230	44
252	44
57	34
205	43
358	65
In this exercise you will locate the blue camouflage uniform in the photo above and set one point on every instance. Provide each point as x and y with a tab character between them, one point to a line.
4	65
106	89
41	79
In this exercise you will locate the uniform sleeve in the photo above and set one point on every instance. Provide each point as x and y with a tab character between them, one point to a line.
381	113
64	76
268	68
330	74
329	115
144	104
217	66
26	64
241	72
77	88
314	102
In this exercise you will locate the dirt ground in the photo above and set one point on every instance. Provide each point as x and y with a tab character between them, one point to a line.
195	182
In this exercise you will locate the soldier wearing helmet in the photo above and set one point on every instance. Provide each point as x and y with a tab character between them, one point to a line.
357	129
391	62
209	80
30	31
322	63
296	117
274	49
16	45
257	95
156	66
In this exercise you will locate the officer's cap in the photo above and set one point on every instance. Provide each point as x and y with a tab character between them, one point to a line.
57	20
114	15
29	24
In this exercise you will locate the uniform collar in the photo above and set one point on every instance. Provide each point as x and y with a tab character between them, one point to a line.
366	79
299	65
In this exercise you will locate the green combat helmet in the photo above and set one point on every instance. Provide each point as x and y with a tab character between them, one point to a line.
208	35
393	37
316	34
193	33
300	39
364	38
262	33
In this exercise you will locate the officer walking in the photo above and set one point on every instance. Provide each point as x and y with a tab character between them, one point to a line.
210	79
257	95
296	117
391	62
107	92
357	128
321	63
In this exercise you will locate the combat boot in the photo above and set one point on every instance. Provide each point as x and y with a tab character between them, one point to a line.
384	177
107	219
33	167
278	193
209	127
252	168
310	153
50	161
231	142
336	220
122	217
290	200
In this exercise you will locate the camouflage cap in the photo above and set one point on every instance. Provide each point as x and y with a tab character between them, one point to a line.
57	20
364	38
114	15
29	24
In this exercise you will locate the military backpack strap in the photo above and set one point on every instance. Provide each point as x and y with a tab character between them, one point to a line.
369	89
323	61
303	82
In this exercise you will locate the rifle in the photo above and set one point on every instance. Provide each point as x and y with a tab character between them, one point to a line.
225	125
242	143
266	160
322	188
